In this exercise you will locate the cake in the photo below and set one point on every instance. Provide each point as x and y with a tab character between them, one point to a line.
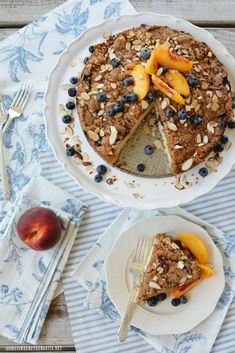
148	67
169	266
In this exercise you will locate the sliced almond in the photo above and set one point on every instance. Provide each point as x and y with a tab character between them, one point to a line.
204	85
107	34
113	135
219	94
159	71
198	138
144	104
171	126
93	135
158	144
205	139
154	285
85	96
187	164
227	145
180	265
97	78
165	103
113	85
101	132
178	147
215	107
215	98
210	128
128	46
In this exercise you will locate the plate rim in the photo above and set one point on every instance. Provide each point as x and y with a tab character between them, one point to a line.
207	311
109	195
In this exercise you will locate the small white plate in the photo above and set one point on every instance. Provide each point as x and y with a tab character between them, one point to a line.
164	318
127	190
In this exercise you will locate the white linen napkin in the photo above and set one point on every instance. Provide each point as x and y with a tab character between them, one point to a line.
91	275
28	278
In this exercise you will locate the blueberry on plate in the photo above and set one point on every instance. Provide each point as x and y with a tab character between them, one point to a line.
91	48
101	169
151	95
86	59
110	111
169	112
218	147
196	119
161	297
98	178
203	172
73	80
224	139
115	63
72	92
132	97
118	107
128	81
66	119
231	124
140	167
183	299
143	25
182	115
100	97
164	69
192	81
148	150
152	301
70	151
124	99
175	302
70	105
145	53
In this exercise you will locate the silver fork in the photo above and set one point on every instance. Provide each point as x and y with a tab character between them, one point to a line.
138	262
16	109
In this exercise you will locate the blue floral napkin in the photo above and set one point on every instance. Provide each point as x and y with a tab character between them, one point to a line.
28	279
91	275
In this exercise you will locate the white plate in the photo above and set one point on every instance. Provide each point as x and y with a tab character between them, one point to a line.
164	318
127	190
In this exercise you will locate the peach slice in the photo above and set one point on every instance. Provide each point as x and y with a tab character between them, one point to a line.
141	81
167	90
177	292
177	81
206	271
152	65
165	58
195	246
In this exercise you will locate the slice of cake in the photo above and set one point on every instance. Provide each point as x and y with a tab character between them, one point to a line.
169	266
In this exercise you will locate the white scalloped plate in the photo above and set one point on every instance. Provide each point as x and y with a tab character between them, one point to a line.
127	190
164	318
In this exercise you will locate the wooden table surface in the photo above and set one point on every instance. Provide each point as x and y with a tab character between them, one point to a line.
219	18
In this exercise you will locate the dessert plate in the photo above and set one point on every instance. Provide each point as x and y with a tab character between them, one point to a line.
164	318
120	187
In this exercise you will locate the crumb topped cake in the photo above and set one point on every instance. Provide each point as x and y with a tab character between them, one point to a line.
169	266
149	67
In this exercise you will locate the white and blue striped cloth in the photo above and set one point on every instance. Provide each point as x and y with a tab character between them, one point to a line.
30	54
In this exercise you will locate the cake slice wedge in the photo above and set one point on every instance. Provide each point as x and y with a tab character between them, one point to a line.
169	266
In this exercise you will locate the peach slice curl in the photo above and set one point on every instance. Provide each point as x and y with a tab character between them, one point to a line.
195	246
152	64
141	81
177	292
177	81
167	90
165	58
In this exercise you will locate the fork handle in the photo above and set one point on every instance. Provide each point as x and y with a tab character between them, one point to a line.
5	183
124	325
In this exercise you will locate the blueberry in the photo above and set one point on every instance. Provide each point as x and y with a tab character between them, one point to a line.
145	53
73	80
128	81
72	92
161	296
66	119
182	115
101	97
115	62
169	112
218	147
183	299
98	178
196	119
224	139
110	111
86	59
192	81
143	25
118	107
231	124
101	169
124	99
132	97
140	167
175	302
152	301
203	172
148	150
91	48
151	95
70	105
164	69
70	151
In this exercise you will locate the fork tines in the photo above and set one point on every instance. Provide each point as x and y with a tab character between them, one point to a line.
22	95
